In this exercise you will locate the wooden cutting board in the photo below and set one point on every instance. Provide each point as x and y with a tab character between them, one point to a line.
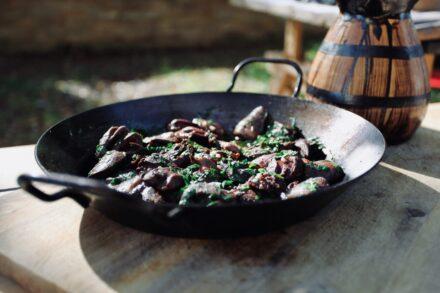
382	234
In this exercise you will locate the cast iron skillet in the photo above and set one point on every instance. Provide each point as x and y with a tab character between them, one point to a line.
65	152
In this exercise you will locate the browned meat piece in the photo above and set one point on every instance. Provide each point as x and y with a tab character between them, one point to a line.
292	184
238	174
255	152
150	162
244	193
252	125
135	186
332	172
305	188
214	169
205	161
266	183
289	167
309	151
108	163
290	145
217	155
195	190
132	142
183	160
264	160
229	146
180	155
241	175
163	179
196	134
111	137
149	194
177	124
249	196
161	139
206	188
129	186
210	125
303	147
189	131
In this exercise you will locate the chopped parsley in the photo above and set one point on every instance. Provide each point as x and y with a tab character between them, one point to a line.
122	177
310	185
285	153
155	149
100	150
219	176
315	141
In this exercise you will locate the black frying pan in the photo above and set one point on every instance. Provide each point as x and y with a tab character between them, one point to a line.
65	153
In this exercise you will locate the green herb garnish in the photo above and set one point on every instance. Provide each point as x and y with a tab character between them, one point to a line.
316	142
285	153
122	177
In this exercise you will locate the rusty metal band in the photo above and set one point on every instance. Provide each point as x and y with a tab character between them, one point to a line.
367	101
356	51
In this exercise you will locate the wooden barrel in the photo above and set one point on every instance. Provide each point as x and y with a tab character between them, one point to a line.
375	69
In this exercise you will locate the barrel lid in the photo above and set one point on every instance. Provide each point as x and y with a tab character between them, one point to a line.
376	8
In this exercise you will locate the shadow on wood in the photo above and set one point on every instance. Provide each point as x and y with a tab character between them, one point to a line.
372	225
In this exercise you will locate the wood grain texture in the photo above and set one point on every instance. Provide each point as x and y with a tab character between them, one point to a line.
318	14
429	33
372	77
311	13
293	35
381	235
430	62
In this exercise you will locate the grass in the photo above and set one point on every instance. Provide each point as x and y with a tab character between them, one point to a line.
435	96
311	47
38	91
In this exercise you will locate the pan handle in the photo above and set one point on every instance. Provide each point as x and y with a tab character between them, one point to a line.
243	63
76	187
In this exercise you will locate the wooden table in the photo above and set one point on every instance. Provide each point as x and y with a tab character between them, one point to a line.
381	235
298	13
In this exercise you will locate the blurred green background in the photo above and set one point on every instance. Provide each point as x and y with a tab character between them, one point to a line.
58	61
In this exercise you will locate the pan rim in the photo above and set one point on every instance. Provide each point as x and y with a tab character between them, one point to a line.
381	145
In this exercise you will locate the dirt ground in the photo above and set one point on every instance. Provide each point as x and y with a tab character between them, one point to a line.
36	91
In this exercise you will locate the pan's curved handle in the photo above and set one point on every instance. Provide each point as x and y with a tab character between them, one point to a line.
77	188
299	78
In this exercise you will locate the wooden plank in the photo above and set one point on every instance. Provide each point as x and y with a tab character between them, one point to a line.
53	255
7	285
432	47
18	160
424	255
430	59
429	33
293	40
383	233
325	15
425	16
311	13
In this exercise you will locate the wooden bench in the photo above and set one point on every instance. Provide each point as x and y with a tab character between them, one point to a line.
298	13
